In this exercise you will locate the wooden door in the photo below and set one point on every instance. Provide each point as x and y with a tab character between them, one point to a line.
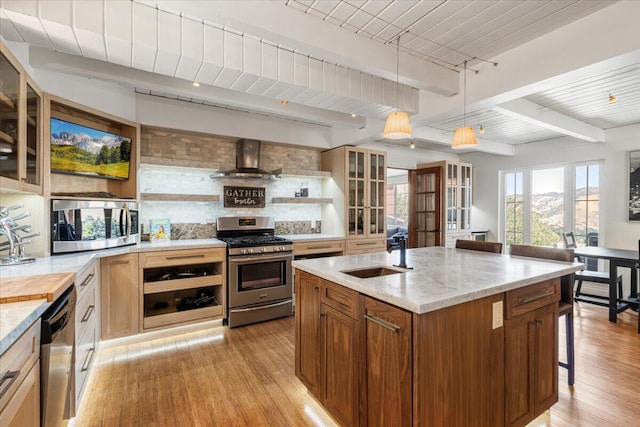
519	369
339	357
425	207
387	389
308	349
119	296
377	188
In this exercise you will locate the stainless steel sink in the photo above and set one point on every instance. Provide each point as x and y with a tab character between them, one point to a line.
366	273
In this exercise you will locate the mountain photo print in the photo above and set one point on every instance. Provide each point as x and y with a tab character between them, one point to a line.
634	186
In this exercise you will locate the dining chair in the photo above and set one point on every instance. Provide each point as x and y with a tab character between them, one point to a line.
475	245
566	300
601	277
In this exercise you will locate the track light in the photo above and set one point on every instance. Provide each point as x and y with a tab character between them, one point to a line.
612	99
412	145
284	102
196	84
482	129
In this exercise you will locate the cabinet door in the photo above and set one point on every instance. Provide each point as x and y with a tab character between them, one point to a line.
376	191
387	396
546	357
9	119
339	361
464	217
519	369
451	186
119	296
425	207
307	317
356	198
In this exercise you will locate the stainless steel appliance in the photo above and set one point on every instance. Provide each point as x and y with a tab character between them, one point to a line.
260	278
56	360
84	225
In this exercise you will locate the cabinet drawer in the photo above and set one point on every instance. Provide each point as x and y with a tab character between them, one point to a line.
524	300
87	279
16	362
86	311
342	299
85	353
320	247
181	257
368	245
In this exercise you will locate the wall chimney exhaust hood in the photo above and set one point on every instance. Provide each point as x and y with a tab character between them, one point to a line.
247	163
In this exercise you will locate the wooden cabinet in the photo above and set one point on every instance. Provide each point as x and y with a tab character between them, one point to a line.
181	286
87	327
387	365
20	381
21	112
531	356
358	192
318	248
119	296
455	211
327	336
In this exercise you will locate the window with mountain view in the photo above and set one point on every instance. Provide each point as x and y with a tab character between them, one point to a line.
547	206
587	204
514	198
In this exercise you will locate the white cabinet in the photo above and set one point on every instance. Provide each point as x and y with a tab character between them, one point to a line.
457	186
358	193
87	315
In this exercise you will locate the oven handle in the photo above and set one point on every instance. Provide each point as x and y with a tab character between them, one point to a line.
233	260
260	307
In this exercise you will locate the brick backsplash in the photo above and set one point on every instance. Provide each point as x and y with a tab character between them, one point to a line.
197	219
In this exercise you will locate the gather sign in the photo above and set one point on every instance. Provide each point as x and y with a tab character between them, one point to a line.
244	197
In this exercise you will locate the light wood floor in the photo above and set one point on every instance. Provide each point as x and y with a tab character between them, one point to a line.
245	377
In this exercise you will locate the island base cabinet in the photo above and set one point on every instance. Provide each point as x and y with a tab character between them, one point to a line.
531	360
119	296
458	366
387	372
340	379
307	321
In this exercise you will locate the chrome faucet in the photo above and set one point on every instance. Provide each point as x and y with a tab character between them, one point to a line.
402	241
15	241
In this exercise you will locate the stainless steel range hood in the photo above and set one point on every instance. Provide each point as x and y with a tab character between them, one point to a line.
248	162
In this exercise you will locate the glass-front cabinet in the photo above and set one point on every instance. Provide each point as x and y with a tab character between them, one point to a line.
366	183
20	127
458	196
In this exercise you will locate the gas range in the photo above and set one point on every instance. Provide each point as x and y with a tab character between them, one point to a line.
251	235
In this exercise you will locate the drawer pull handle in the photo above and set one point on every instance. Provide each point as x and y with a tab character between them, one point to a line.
383	323
87	314
524	300
87	359
9	376
185	256
320	247
86	281
119	262
367	243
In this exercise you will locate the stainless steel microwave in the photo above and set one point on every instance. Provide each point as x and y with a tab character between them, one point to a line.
85	225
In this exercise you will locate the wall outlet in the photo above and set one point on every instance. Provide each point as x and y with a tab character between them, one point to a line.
498	315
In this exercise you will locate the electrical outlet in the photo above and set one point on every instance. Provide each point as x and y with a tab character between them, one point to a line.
497	315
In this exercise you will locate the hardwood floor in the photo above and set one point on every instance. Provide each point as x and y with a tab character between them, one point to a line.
245	376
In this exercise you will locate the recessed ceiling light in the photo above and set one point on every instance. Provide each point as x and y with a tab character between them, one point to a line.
353	114
284	102
196	84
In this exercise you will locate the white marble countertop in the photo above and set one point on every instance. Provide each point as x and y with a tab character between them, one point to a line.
17	317
310	237
441	277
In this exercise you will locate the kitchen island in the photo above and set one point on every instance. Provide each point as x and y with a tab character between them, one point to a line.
464	338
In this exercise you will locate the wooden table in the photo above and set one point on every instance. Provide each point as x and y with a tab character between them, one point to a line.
617	258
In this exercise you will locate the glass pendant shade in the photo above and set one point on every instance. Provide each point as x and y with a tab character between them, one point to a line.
464	137
397	126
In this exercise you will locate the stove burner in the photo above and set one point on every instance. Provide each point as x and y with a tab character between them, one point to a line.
248	241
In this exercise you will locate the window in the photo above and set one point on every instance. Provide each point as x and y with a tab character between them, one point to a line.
514	201
397	197
538	205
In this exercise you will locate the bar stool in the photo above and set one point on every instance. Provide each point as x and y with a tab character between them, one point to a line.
476	245
566	300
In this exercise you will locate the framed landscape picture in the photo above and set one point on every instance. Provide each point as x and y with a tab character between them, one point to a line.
634	186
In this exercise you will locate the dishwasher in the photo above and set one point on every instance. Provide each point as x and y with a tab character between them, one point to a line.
56	360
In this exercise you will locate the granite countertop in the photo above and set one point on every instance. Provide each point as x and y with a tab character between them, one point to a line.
17	317
310	237
441	277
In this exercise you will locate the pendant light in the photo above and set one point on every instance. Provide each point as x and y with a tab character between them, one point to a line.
397	126
464	137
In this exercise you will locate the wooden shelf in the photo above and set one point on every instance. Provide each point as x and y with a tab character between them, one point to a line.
311	174
168	197
31	121
7	101
301	200
170	315
6	137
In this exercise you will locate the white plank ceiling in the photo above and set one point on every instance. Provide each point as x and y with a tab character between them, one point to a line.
147	36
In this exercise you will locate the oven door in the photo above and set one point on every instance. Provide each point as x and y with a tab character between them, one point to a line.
257	279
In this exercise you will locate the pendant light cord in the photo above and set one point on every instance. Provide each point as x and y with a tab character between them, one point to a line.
464	99
398	75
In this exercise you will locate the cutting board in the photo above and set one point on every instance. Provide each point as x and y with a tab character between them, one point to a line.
49	286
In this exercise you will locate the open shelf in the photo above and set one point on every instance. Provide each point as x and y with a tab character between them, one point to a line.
181	284
301	200
169	197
